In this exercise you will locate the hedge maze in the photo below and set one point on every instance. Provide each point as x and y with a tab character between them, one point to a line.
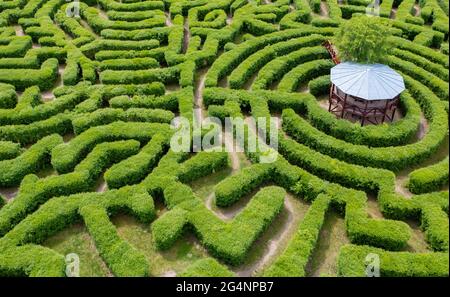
86	102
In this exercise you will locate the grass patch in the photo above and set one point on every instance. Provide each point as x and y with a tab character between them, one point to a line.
76	239
204	186
185	251
332	236
274	240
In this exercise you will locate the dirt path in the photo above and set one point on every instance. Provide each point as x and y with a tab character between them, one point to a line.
101	185
9	193
423	128
229	19
324	10
393	14
288	221
417	10
400	186
230	147
169	273
19	30
102	14
187	35
198	94
373	208
48	95
168	19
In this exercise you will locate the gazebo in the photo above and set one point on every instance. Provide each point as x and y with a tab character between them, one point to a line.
369	93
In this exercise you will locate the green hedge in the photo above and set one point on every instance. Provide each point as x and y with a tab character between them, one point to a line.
294	259
34	191
235	187
98	23
31	260
354	176
168	228
420	50
320	86
386	234
253	63
31	161
425	63
8	96
276	69
57	214
66	156
107	44
105	116
429	179
28	134
231	59
436	84
133	16
202	164
435	223
303	73
9	150
351	262
164	75
129	64
232	241
44	77
17	46
120	256
386	158
135	168
208	267
394	134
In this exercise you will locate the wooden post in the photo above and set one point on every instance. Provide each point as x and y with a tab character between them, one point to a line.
343	106
331	95
364	114
385	111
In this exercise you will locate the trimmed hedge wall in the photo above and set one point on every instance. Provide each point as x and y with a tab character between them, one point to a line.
121	257
351	262
9	150
429	179
235	187
44	77
293	260
207	267
30	161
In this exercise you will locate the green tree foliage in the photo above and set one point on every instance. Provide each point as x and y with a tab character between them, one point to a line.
363	40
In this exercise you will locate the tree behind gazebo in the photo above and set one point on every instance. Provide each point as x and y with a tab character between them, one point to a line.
363	40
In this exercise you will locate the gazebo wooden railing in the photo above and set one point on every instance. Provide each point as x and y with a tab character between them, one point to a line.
371	111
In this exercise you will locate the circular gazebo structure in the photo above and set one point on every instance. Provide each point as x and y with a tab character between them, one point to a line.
369	93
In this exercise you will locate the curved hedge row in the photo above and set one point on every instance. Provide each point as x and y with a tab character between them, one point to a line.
66	156
57	214
44	77
9	150
231	59
394	158
276	69
30	161
429	179
34	191
303	74
207	267
351	262
254	62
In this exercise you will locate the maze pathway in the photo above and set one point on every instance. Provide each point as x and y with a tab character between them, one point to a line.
88	91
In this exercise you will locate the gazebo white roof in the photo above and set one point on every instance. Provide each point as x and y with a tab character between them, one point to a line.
370	82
